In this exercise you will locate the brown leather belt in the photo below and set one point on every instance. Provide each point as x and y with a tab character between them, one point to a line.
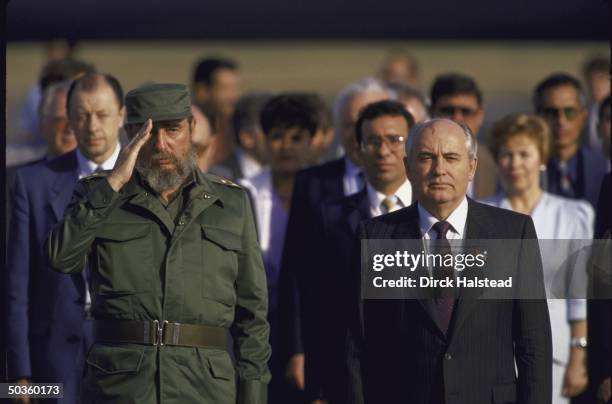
160	333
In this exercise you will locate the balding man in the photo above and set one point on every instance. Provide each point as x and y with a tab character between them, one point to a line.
48	313
451	347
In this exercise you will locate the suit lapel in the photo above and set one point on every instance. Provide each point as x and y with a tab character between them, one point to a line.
63	185
357	210
408	228
476	230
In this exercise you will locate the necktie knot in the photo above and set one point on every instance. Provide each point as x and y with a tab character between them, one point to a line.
98	169
388	204
442	228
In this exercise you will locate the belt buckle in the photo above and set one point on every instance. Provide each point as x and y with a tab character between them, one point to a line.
160	329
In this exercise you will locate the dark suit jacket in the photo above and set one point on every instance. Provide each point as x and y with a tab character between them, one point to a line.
312	186
44	308
404	356
592	168
325	298
599	309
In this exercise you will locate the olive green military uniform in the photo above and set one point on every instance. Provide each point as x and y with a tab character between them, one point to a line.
201	267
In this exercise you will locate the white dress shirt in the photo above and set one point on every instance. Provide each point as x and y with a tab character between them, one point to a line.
271	219
400	199
555	217
248	165
87	166
457	219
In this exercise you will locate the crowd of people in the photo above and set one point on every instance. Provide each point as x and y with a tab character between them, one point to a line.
316	179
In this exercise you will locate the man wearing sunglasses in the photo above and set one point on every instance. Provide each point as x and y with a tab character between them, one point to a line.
456	96
574	171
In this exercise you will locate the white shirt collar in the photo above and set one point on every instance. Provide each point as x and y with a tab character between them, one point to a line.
248	165
457	220
402	197
87	166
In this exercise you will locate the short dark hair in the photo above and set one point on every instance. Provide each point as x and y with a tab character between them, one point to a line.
289	110
89	82
63	69
454	84
314	100
556	80
382	108
596	64
605	105
206	68
247	114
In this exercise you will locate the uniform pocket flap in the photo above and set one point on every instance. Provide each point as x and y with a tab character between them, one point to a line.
224	238
113	359
504	394
220	367
123	231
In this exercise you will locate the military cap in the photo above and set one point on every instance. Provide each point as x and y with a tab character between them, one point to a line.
160	102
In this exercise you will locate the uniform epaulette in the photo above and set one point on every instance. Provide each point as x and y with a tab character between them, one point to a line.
224	181
96	175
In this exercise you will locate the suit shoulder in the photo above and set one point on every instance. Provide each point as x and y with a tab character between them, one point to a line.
502	222
323	170
379	226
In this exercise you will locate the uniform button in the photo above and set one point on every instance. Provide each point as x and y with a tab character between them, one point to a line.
448	356
146	194
181	223
105	200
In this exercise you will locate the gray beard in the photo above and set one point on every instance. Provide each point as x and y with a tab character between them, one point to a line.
165	180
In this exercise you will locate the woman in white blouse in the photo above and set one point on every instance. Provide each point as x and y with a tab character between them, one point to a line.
520	144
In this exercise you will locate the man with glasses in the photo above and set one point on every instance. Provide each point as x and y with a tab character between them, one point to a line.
381	132
456	96
574	171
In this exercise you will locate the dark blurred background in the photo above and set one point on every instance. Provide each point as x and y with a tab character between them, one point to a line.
323	19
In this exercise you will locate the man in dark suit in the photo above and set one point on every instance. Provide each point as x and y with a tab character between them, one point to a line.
447	349
574	171
48	334
381	130
313	185
600	305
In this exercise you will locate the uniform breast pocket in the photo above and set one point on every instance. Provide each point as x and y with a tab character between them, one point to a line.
220	250
124	254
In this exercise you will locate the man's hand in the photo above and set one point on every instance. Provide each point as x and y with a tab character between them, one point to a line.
295	371
604	392
24	398
575	380
124	166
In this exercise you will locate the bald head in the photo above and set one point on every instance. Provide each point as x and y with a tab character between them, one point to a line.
442	125
440	163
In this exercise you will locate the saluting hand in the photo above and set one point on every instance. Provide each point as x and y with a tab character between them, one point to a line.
124	166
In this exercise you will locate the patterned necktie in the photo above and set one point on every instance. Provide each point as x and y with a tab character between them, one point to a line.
565	180
444	297
387	204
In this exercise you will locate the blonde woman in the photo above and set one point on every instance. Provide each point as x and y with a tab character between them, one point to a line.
520	145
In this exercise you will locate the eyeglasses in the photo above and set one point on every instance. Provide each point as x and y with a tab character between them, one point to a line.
451	110
570	113
393	142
